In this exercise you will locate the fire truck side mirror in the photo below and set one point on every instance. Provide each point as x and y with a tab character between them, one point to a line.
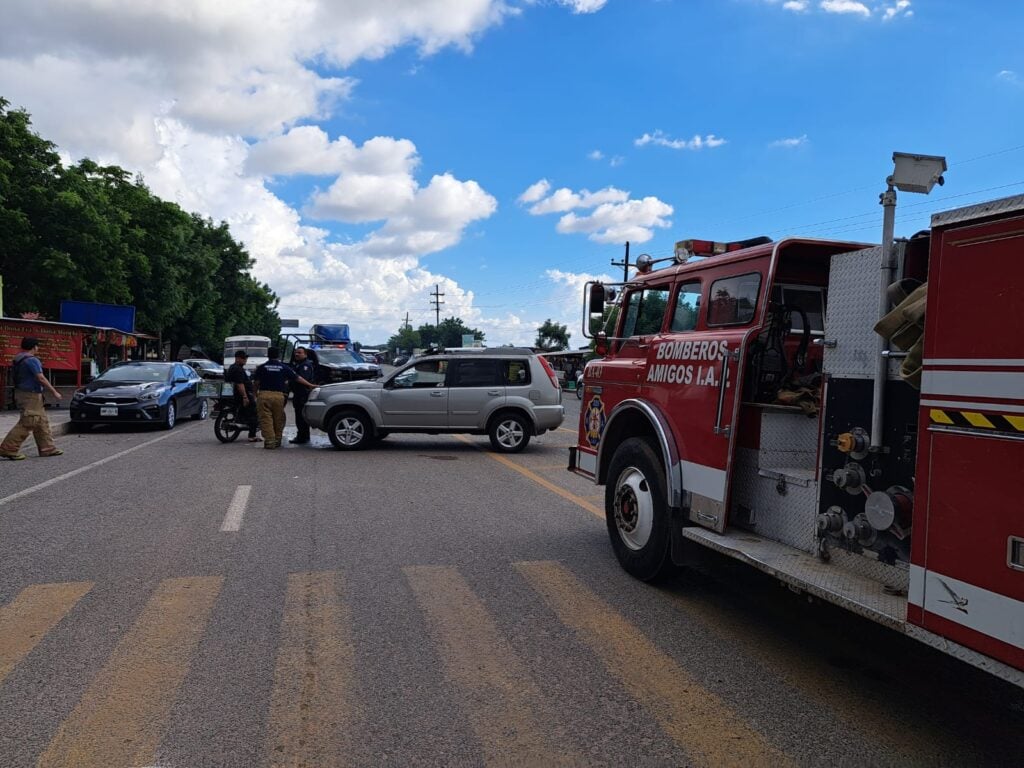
597	299
601	343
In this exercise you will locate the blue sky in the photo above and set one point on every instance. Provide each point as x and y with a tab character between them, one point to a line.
506	149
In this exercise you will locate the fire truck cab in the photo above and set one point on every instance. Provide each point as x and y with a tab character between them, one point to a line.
740	405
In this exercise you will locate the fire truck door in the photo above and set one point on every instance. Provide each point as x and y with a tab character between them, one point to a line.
692	375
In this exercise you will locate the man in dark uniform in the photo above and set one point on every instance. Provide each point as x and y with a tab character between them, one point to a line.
304	369
272	380
241	386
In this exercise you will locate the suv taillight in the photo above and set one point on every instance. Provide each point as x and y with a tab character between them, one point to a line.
550	372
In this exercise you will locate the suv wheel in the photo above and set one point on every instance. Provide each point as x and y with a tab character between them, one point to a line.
509	433
349	431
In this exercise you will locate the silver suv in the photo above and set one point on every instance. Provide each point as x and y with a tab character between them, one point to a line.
507	393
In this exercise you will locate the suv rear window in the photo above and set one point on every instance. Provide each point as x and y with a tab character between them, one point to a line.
516	372
477	373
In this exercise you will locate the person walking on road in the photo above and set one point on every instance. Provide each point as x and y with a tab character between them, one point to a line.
245	399
29	383
305	369
271	381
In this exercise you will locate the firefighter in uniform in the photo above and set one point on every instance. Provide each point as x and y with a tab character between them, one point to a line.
271	381
304	369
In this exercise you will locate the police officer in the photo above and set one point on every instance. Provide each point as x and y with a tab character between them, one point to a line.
304	369
271	380
241	388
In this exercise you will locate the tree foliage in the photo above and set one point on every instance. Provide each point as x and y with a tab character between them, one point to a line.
93	233
552	337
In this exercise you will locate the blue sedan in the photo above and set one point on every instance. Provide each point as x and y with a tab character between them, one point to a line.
140	392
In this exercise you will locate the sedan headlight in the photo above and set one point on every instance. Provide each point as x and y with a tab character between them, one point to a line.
151	395
314	393
78	396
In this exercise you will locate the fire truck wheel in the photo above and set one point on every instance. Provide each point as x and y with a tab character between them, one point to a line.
635	510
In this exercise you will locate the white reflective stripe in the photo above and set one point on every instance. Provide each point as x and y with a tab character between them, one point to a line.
961	405
1000	362
915	592
702	479
1004	384
586	462
989	613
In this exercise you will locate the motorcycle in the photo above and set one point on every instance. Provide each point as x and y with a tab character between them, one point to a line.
228	424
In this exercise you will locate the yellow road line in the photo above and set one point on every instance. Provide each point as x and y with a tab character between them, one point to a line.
312	707
917	743
570	431
33	613
567	495
711	732
498	690
119	720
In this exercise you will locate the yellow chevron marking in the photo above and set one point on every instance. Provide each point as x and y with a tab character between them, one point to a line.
939	416
567	495
978	420
33	613
1017	422
313	704
120	718
480	663
701	723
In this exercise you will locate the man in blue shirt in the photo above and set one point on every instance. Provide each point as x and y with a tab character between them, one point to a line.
271	381
305	369
29	383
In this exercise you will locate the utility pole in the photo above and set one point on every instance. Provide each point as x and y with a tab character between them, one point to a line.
624	264
406	325
436	301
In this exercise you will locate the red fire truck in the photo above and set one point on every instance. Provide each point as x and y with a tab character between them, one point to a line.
745	403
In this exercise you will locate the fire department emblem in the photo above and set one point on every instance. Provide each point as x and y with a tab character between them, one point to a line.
594	419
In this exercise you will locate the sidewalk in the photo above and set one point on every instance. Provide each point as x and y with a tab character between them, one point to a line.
60	421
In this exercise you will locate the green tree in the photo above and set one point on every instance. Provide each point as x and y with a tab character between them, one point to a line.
552	337
92	233
448	334
406	339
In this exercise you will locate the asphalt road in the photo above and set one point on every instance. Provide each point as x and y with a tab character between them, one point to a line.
425	602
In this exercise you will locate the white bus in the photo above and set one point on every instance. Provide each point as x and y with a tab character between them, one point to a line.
255	346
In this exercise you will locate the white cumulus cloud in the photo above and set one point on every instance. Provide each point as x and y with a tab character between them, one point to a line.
901	8
661	139
851	7
535	192
607	216
583	6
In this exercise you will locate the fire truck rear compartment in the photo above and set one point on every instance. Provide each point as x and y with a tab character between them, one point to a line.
803	498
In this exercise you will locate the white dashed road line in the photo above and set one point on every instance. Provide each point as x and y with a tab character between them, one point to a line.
80	470
236	510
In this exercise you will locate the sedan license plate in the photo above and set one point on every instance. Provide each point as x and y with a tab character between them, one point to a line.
108	411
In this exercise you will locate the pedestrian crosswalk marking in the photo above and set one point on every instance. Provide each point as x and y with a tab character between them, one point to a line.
482	665
121	716
698	720
313	707
33	613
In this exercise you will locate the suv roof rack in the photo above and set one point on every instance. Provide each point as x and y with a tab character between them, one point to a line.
477	351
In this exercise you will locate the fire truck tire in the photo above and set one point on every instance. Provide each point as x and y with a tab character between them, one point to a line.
638	518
